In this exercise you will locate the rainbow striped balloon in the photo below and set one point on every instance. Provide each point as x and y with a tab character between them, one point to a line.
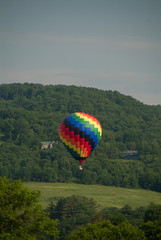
80	133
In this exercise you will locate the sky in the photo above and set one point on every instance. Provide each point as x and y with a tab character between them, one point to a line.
105	44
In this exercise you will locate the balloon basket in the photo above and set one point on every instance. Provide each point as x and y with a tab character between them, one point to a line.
80	168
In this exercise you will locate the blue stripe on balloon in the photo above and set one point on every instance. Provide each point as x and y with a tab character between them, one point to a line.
94	138
87	131
76	124
71	119
82	127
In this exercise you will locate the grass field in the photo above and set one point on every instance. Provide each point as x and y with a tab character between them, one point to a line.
105	196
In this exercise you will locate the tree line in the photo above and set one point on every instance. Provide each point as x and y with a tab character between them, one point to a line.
32	113
71	218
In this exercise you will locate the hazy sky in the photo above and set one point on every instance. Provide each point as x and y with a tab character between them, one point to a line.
107	44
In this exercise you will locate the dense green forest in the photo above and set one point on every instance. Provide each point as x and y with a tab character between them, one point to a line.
73	218
128	155
79	219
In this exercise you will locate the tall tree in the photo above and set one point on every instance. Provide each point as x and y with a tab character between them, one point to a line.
72	212
21	216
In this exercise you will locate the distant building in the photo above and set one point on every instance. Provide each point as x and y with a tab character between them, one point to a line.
48	145
133	155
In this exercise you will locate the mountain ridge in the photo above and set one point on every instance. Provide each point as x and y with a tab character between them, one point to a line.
32	113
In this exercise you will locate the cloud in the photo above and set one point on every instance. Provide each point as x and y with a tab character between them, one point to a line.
138	42
42	76
72	39
114	43
47	38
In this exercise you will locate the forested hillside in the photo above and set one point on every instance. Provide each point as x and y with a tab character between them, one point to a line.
128	155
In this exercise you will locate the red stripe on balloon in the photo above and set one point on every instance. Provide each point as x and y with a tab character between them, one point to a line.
80	143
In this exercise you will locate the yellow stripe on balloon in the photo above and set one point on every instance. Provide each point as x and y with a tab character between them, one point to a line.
72	146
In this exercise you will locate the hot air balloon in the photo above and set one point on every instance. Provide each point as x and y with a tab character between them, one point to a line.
80	133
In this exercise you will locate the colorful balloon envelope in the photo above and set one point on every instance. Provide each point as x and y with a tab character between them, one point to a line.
80	133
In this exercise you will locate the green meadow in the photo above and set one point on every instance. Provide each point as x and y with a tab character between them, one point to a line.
105	196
